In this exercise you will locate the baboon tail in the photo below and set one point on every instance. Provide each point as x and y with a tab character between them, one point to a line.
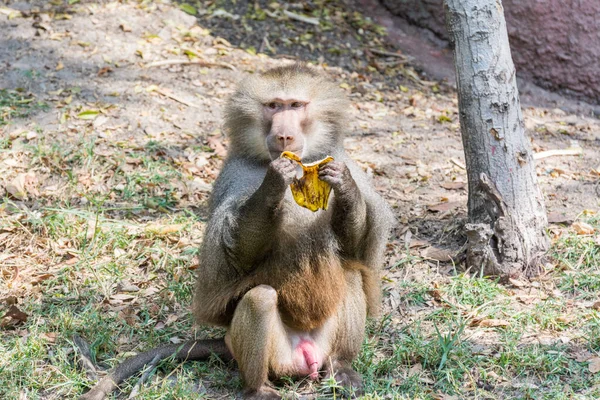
194	350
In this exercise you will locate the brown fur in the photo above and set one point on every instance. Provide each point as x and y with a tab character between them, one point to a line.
311	296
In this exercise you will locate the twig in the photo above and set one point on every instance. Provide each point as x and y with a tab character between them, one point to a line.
301	18
263	43
458	163
573	151
170	95
202	63
144	376
388	54
85	357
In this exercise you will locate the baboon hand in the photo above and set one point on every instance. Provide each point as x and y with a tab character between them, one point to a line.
281	173
337	174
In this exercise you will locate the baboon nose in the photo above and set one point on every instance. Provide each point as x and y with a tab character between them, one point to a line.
286	138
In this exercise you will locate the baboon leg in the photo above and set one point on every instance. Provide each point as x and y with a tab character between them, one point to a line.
352	318
258	340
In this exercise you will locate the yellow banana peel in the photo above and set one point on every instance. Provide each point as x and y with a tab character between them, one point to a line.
309	191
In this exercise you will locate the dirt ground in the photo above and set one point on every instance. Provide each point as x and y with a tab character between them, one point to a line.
93	71
409	137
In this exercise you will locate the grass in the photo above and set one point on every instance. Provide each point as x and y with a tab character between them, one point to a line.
15	104
105	246
92	266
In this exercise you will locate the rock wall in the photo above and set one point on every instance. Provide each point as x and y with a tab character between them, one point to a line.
556	43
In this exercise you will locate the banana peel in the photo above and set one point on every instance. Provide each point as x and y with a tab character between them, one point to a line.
309	191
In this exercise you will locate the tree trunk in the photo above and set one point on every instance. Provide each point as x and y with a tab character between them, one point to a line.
506	234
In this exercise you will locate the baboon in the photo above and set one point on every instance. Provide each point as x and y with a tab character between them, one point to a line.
293	287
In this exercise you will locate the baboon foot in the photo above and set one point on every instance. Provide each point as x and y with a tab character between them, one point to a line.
349	379
264	393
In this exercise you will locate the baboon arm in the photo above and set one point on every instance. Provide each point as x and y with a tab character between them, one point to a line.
349	219
254	224
371	229
193	350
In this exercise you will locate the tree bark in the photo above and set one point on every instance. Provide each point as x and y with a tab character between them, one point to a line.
506	234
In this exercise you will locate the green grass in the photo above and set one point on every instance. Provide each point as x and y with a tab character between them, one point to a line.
15	104
434	349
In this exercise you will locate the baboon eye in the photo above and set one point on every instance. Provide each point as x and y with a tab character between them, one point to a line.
297	104
272	105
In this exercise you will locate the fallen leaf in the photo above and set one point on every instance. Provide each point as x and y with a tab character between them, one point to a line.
415	369
453	185
583	355
188	8
594	365
528	299
103	71
581	228
129	315
122	297
125	28
518	283
88	114
40	278
158	229
215	144
439	254
23	184
16	188
49	336
445	206
416	243
490	323
566	319
13	317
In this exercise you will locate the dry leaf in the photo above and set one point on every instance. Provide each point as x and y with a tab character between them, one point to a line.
13	317
528	299
103	71
128	314
594	365
518	283
581	228
158	229
438	254
490	323
215	144
23	184
119	297
583	355
415	243
309	191
40	278
125	28
49	336
453	185
566	319
415	369
445	206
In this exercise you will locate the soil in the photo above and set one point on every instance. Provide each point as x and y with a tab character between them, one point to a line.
410	138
